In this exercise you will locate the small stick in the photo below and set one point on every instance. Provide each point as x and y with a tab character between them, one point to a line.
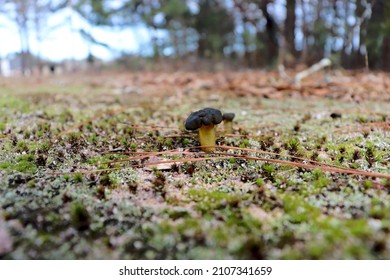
314	68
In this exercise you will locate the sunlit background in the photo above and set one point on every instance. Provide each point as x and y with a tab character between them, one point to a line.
59	36
239	33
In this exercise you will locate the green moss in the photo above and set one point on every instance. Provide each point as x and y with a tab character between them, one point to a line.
24	164
168	142
80	216
298	210
209	200
244	143
44	127
177	213
44	147
269	171
268	168
372	155
22	146
105	180
73	137
316	250
259	182
359	228
14	103
293	145
367	184
3	125
320	180
5	165
185	141
78	178
26	167
228	209
27	157
378	212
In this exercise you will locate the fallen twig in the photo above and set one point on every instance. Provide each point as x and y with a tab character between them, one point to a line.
314	68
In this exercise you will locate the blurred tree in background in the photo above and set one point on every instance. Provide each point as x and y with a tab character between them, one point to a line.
28	16
378	35
239	33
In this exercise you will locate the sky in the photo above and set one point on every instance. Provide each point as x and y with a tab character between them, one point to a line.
66	42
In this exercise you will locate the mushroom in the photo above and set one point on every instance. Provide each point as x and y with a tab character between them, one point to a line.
205	120
228	122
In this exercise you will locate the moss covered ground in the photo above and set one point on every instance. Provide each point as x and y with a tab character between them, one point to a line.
56	132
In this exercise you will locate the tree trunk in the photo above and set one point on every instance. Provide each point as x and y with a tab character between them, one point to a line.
289	32
375	47
272	35
305	32
361	54
385	57
25	48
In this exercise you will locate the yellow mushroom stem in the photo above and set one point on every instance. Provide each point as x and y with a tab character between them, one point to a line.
228	125
207	137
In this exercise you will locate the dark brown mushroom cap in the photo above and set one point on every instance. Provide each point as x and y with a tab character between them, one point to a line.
206	116
228	116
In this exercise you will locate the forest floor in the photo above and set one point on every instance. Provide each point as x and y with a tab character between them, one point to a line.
100	167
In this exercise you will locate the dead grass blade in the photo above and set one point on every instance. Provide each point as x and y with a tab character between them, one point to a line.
321	166
148	155
145	155
276	154
150	127
138	165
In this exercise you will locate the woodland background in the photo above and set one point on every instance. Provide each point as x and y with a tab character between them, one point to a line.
221	34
